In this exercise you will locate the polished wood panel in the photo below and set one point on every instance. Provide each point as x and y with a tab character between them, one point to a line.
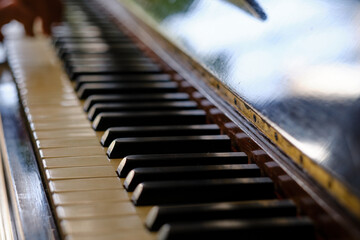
304	57
30	211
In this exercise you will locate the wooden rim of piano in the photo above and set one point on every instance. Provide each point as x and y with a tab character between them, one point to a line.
129	16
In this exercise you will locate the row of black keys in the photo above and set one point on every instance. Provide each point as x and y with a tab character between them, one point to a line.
138	105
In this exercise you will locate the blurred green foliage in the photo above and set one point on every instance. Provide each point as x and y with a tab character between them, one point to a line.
160	9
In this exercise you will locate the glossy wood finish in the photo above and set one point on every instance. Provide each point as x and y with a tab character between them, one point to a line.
295	69
6	224
30	209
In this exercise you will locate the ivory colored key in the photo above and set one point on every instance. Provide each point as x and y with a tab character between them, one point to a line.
54	125
114	224
57	103
58	119
128	235
63	94
80	172
52	112
75	174
85	161
67	142
51	97
83	184
95	210
70	152
70	198
125	98
66	133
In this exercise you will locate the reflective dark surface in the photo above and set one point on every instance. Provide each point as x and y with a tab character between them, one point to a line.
34	211
298	66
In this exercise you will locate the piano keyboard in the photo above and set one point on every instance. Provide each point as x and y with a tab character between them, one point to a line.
125	154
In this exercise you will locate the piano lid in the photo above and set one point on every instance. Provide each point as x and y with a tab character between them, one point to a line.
296	63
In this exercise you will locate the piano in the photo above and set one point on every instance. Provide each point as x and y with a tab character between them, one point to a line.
185	119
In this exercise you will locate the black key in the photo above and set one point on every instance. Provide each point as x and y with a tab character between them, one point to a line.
124	77
130	55
119	67
183	117
66	40
122	147
139	175
202	191
90	47
98	48
161	77
161	215
87	34
77	71
136	107
68	37
106	61
66	28
123	98
158	131
125	88
104	58
257	229
193	159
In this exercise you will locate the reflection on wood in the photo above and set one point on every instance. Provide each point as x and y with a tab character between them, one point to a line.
300	104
